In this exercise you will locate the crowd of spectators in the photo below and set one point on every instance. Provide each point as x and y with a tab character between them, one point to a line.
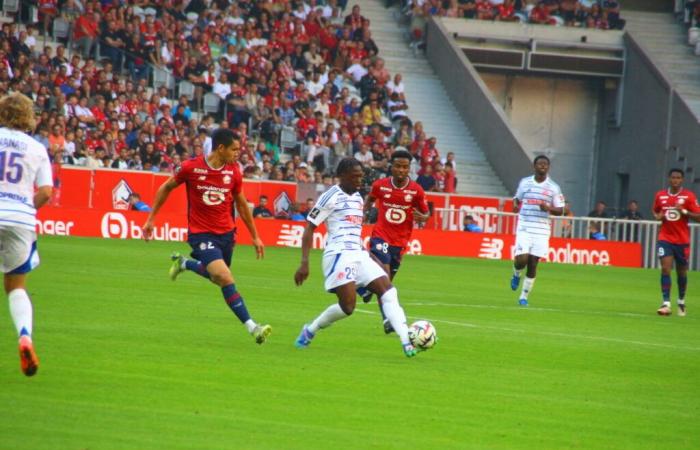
276	66
600	14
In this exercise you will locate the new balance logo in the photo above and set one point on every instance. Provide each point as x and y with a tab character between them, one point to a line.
491	248
290	235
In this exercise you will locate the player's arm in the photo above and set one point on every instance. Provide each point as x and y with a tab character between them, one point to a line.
656	210
692	210
247	218
44	183
161	196
557	206
307	238
421	211
369	202
42	196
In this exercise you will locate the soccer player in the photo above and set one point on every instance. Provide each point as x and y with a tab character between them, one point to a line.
24	165
673	207
214	186
345	263
399	201
537	197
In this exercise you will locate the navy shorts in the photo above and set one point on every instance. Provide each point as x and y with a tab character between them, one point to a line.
680	252
208	247
386	254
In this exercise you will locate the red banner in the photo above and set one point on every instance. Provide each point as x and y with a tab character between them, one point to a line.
173	227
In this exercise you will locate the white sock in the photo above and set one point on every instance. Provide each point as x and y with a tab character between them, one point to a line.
681	301
527	287
395	314
332	314
21	310
250	325
666	303
516	271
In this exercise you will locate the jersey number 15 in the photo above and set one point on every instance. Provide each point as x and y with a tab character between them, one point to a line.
10	168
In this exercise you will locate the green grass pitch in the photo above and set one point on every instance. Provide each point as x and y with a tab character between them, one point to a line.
132	360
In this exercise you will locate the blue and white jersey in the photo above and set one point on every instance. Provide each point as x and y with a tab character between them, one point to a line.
343	214
24	164
531	195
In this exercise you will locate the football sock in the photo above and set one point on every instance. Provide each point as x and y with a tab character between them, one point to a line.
516	271
332	314
681	302
682	284
666	288
196	267
394	312
381	310
527	287
235	302
21	311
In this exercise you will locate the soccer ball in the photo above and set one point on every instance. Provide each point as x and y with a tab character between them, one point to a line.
422	334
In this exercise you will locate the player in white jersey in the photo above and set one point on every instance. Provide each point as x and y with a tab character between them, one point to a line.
346	264
537	197
24	165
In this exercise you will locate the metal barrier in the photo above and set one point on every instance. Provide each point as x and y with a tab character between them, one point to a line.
644	232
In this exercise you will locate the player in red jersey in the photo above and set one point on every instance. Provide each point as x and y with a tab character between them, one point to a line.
399	201
214	186
674	207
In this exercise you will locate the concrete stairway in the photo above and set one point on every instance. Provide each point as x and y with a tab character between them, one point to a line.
666	40
429	102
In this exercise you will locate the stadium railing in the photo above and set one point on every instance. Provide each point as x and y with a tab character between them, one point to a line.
644	232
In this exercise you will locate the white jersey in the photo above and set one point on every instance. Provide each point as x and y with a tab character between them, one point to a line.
343	214
24	164
531	194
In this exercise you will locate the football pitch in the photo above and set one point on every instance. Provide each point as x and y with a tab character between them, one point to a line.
132	360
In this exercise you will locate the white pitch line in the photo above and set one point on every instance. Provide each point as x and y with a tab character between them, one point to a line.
550	333
531	308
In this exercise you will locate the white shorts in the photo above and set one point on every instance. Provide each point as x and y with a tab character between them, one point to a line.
18	253
532	244
350	267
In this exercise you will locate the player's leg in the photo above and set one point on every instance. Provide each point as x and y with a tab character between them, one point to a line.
522	250
20	256
682	254
529	281
393	269
200	243
665	251
370	274
340	279
379	251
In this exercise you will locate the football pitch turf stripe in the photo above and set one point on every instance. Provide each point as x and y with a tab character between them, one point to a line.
545	333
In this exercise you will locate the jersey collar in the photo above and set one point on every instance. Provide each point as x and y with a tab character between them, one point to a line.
408	181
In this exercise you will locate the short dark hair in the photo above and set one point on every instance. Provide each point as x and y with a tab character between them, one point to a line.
538	157
346	165
222	136
675	169
401	154
263	197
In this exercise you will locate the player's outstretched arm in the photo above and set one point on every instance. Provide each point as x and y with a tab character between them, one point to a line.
369	202
42	196
161	196
516	205
302	272
247	218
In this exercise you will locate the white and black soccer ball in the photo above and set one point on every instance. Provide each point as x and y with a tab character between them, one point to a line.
422	334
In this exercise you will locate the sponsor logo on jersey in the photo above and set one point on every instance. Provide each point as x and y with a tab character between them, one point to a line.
408	197
227	179
202	178
356	220
198	170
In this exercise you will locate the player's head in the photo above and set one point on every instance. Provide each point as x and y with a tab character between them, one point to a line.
400	165
17	112
675	177
226	143
350	173
541	165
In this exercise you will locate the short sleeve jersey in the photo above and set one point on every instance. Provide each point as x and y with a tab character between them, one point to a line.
24	164
395	205
343	214
531	195
674	225
210	195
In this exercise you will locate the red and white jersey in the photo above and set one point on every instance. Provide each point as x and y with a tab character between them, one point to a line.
395	219
210	195
674	225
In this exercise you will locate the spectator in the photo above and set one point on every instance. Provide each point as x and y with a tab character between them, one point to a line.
426	179
137	204
471	225
294	213
261	211
599	210
595	232
632	213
